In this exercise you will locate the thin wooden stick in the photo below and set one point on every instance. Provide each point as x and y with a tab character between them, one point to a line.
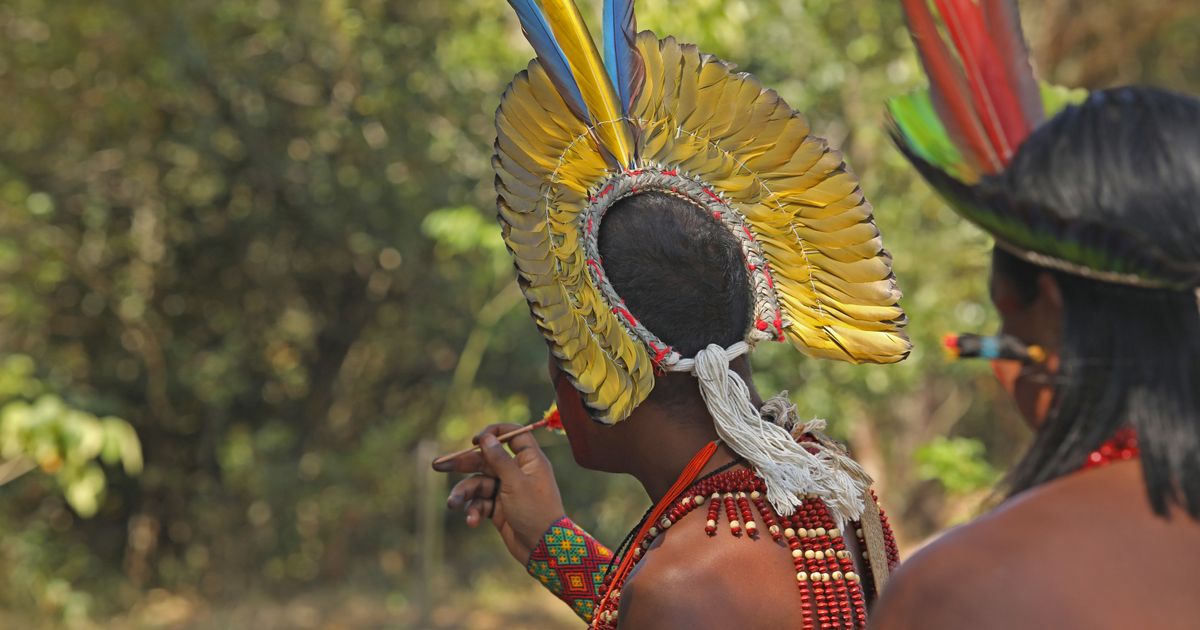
504	438
14	468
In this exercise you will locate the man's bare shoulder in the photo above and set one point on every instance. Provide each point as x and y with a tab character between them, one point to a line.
985	574
1046	557
954	582
700	581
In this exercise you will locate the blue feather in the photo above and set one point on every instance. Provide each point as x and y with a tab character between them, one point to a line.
550	54
621	56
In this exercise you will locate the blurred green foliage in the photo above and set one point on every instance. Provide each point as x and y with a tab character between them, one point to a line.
958	463
261	232
65	442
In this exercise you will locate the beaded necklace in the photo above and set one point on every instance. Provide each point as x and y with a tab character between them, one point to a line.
831	590
624	546
1121	446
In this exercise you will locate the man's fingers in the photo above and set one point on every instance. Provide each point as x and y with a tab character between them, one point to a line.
497	457
467	463
471	488
496	430
473	462
479	510
524	442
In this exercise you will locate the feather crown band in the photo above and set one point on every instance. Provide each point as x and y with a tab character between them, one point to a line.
962	133
576	133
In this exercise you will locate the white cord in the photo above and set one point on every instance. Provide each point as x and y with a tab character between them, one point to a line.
790	471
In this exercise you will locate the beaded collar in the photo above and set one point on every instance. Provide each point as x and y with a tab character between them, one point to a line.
831	590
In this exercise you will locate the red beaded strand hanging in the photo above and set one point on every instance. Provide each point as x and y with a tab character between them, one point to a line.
831	590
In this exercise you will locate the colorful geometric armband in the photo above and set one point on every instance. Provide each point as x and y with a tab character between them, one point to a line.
571	564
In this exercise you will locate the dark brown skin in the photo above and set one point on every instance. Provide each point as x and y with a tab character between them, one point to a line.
687	579
1083	551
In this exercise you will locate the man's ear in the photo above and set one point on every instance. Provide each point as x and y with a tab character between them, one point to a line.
1050	309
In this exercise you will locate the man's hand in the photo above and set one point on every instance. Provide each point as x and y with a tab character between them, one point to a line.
517	491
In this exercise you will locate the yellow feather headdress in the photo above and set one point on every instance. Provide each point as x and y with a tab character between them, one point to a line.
577	132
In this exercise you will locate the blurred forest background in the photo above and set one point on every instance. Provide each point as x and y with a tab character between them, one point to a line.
259	234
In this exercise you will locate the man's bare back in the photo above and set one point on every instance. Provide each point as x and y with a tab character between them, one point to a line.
1084	551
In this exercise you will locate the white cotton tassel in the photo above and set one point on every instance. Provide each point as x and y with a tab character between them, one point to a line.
790	471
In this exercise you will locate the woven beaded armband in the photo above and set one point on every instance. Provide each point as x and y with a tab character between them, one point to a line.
571	564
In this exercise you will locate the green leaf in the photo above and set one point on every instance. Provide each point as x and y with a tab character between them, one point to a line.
84	489
957	463
462	229
126	442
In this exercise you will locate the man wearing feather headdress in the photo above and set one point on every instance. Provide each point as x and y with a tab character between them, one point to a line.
1094	204
665	216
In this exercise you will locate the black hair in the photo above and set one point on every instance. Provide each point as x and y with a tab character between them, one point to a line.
678	269
1130	356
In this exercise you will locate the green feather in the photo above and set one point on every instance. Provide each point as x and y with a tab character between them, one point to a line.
914	116
920	128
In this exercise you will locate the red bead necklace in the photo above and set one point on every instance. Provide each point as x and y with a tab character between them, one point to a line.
1122	446
831	590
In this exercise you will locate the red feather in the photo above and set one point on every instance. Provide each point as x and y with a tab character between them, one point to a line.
1004	101
1004	22
1006	94
964	21
553	419
949	90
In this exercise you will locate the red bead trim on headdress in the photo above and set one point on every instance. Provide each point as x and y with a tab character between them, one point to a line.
769	321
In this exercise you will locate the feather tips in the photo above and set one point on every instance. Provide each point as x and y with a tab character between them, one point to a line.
948	89
964	22
567	53
550	54
984	91
621	54
607	116
915	123
1005	24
